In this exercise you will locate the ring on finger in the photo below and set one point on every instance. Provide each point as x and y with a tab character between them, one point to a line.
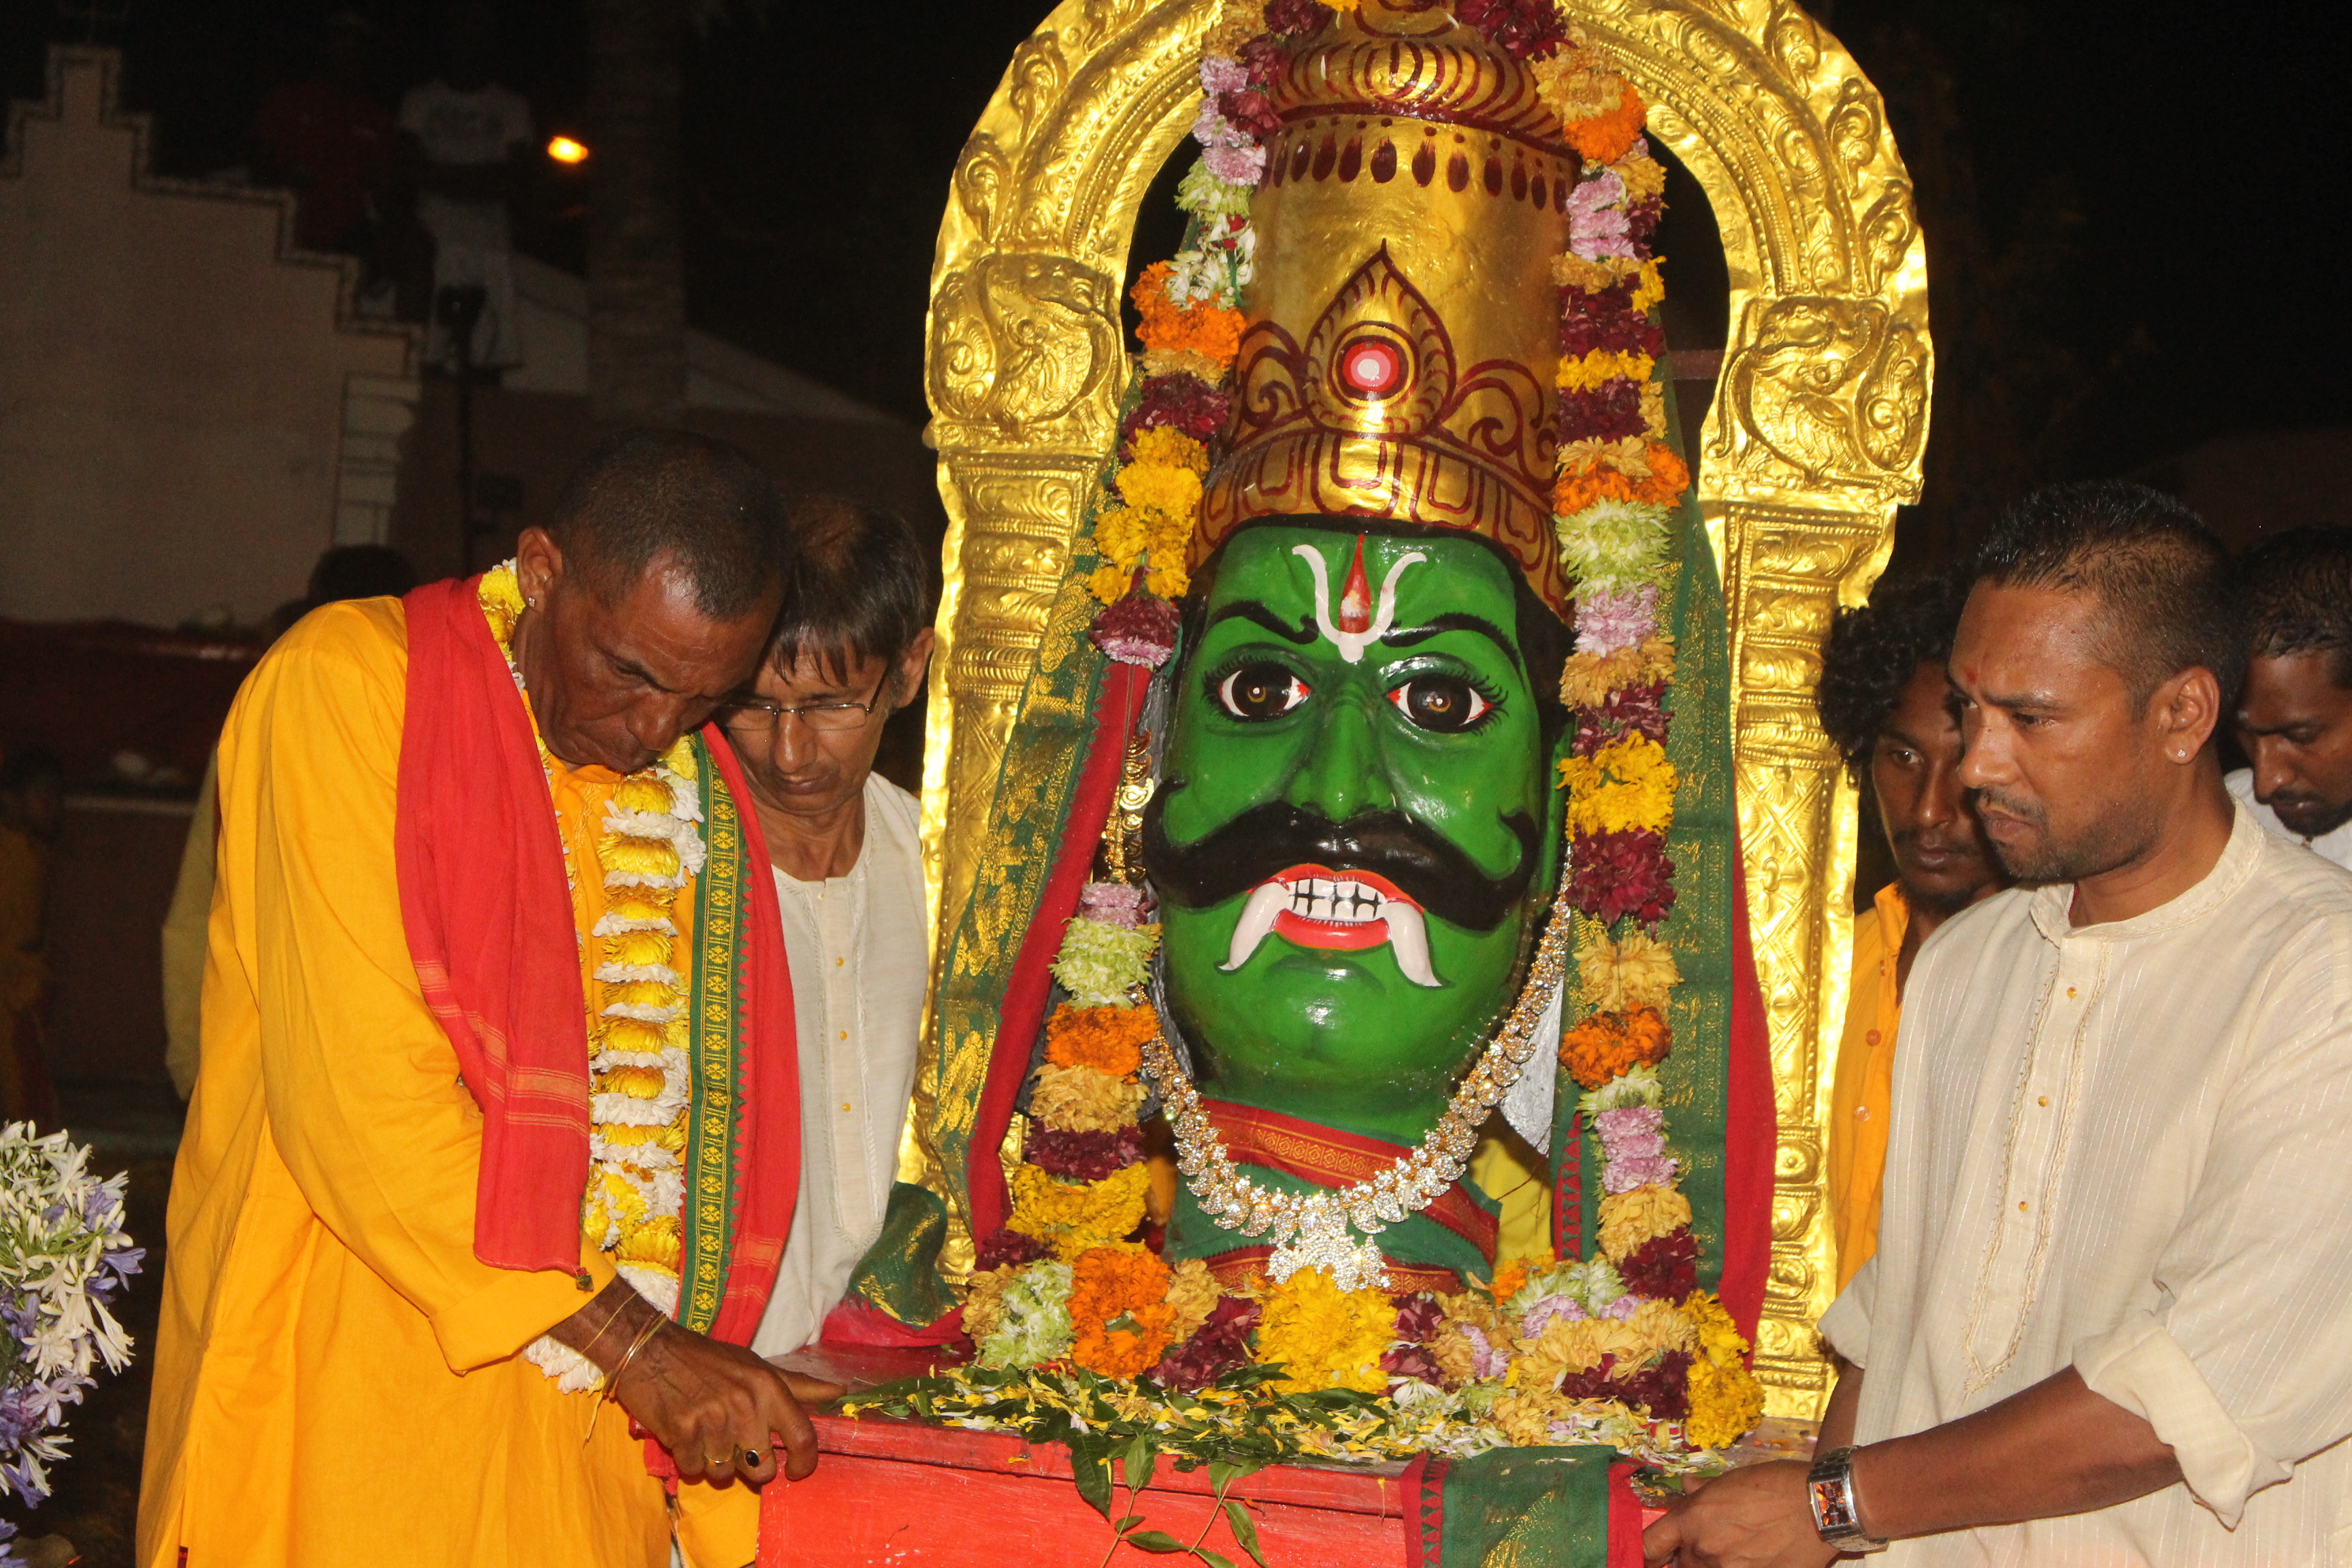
751	1458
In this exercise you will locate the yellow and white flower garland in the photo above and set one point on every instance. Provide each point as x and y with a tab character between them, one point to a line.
647	855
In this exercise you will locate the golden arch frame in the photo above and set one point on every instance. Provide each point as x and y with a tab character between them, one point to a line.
1813	439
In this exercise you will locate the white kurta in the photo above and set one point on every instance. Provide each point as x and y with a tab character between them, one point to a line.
2336	846
856	949
2128	1149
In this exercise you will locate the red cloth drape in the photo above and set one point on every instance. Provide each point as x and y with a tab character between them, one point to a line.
1752	1131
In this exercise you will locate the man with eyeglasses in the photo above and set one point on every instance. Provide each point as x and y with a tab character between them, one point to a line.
850	648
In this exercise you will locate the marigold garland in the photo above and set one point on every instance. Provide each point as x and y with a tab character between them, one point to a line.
1108	1039
1324	1337
1603	1046
1628	786
1120	1315
647	854
1072	1219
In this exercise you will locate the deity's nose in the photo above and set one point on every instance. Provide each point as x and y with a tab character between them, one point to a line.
1344	772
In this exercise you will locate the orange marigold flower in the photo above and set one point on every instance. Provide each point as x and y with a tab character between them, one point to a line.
1508	1278
1210	331
1662	486
1109	1039
1605	138
1119	1313
1667	479
1605	1046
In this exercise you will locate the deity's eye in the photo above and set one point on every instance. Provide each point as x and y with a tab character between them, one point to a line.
1444	703
1261	691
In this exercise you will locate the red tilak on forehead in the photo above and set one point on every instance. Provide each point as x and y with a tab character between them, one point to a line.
1356	598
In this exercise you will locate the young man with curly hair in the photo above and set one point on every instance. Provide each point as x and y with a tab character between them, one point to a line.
2294	716
1883	698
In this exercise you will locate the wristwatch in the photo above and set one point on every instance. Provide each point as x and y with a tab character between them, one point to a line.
1837	1512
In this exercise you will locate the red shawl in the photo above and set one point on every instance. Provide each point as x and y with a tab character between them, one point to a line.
489	920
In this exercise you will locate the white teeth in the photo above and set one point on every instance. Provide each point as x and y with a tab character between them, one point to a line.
1340	901
1267	900
1409	941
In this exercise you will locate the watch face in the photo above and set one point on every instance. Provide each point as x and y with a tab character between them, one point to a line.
1830	1513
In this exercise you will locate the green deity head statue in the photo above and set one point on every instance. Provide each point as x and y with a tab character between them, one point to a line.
1356	828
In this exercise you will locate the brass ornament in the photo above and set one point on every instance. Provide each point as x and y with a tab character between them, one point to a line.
1813	440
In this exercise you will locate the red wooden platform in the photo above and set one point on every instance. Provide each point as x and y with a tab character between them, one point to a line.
888	1492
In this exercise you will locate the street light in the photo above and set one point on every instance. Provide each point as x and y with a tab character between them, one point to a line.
564	150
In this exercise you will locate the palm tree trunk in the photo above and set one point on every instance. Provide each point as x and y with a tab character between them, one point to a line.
636	268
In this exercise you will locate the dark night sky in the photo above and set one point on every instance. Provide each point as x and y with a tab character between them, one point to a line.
2201	149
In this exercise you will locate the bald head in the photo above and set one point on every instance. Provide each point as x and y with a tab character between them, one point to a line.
701	507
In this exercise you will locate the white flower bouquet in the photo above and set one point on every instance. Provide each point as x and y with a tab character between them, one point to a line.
63	1256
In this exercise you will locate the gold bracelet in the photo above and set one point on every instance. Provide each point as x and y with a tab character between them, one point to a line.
619	1307
612	1378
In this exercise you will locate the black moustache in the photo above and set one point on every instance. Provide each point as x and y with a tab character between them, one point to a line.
1271	839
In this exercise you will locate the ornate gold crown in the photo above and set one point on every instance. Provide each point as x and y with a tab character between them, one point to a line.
1400	338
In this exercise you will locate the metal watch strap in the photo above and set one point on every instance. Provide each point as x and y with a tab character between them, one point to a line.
1837	1513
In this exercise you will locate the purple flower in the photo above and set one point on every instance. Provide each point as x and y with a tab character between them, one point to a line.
1607	621
1623	1176
1138	629
1213	129
1235	165
1113	903
1222	73
1628	1121
1623	1308
1485	1361
1549	1311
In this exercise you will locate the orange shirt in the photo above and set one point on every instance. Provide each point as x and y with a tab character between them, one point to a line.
1865	1085
337	1376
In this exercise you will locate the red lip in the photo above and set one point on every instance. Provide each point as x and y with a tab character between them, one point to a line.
1306	929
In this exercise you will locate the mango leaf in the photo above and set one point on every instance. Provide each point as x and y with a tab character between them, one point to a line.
1090	1470
1139	1459
1156	1540
1245	1529
1213	1559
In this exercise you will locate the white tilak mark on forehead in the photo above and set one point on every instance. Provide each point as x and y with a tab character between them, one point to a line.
1352	645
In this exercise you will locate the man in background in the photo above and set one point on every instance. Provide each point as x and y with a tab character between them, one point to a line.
32	811
345	572
2294	718
464	140
1885	699
2109	1321
850	649
327	139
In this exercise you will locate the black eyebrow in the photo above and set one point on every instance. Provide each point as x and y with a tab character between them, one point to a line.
1253	611
1455	621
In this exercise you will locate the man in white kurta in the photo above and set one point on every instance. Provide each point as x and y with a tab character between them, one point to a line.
2114	1149
858	961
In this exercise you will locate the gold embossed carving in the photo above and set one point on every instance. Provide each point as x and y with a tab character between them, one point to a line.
1813	438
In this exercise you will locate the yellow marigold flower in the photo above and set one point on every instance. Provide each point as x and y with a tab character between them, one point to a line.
1108	584
1324	1337
1627	784
1644	176
1168	582
639	856
1084	1099
1718	1336
1166	444
1664	1326
984	1302
1623	976
1653	286
1526	1418
679	758
1159	362
1601	365
1570	270
628	1035
1726	1404
638	1083
1122	534
1072	1218
623	1136
1566	1347
1628	454
641	993
1628	1219
639	947
639	904
1587	679
1654	410
1192	1294
652	1244
1173	493
643	792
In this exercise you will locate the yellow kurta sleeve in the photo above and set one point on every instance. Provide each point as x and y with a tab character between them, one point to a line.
183	936
1861	1089
361	1086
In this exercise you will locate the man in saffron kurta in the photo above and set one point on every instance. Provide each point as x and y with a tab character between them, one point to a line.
340	1375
